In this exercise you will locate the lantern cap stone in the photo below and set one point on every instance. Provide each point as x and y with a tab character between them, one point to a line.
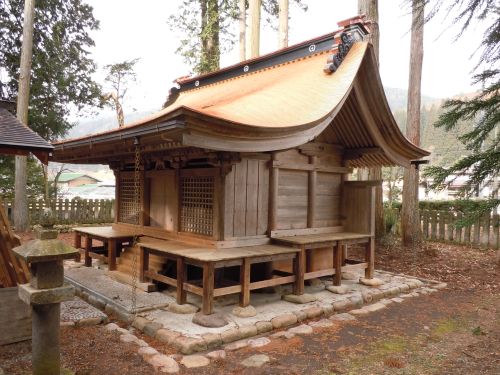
37	251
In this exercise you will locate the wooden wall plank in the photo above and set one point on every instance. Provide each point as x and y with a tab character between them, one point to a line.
171	200
252	185
263	198
240	201
292	199
229	203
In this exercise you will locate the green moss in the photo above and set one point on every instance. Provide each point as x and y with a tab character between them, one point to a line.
446	326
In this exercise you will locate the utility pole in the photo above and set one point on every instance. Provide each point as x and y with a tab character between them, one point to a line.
410	218
20	200
283	24
254	30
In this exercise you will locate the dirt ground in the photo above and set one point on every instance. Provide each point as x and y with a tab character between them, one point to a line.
454	331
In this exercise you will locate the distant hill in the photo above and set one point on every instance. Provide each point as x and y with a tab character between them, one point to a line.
444	146
103	122
397	99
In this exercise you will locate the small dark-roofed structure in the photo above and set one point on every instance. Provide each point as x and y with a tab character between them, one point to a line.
18	139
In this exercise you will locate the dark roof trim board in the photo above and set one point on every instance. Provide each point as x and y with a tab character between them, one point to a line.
297	51
124	134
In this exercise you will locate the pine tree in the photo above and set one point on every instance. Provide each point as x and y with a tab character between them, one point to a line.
62	68
483	161
119	76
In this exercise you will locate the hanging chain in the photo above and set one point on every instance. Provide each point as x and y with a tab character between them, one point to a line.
137	210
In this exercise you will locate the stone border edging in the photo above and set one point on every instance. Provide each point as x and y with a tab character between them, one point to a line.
211	341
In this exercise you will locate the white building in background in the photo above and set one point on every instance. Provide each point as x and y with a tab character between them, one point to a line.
451	192
100	190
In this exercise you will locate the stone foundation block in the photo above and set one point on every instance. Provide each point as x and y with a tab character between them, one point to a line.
284	320
231	335
313	312
167	335
190	345
248	331
263	327
213	340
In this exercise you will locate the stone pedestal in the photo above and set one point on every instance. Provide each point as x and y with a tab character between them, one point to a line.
45	292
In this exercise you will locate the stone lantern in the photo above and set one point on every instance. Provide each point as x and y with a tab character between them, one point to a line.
45	292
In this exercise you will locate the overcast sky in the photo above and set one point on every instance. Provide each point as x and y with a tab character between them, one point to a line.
132	29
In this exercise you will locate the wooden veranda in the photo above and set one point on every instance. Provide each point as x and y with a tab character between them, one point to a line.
243	177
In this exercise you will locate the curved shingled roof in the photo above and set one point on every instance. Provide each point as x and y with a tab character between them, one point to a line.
18	139
281	107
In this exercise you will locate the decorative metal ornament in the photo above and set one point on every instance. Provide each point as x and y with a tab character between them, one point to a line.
347	39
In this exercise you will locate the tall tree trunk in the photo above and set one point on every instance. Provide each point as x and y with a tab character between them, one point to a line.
243	26
254	30
210	54
21	219
283	24
410	222
370	9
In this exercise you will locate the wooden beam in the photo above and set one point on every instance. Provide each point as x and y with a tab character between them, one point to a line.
311	193
370	258
273	196
337	263
318	148
356	153
310	167
181	276
208	288
245	283
299	270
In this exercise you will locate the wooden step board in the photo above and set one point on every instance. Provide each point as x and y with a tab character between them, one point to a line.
126	278
126	260
13	271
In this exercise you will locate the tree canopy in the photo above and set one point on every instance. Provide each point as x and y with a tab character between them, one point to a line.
482	162
205	28
62	69
119	76
61	78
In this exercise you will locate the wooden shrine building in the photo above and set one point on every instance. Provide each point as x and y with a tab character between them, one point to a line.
245	169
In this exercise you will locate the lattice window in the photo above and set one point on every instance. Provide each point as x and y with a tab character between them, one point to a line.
128	212
197	205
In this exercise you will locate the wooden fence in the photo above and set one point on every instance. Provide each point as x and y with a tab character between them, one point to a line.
440	226
75	211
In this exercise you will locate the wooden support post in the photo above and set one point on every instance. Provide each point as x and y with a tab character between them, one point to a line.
337	263
245	283
311	194
143	263
344	254
181	278
299	269
112	247
117	194
208	288
78	245
370	258
88	249
273	195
